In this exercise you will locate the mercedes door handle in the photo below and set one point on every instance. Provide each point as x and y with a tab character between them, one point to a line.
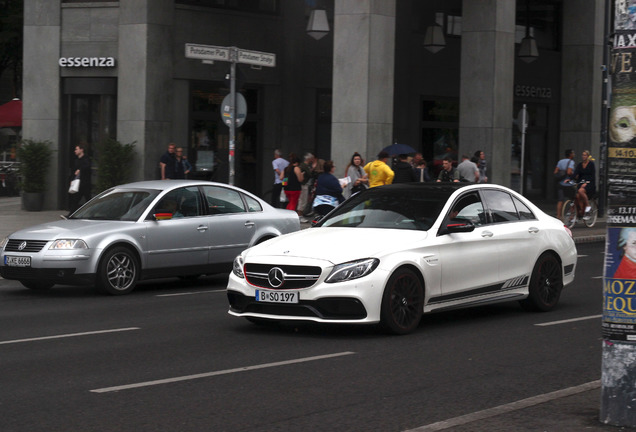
486	234
533	230
249	224
202	228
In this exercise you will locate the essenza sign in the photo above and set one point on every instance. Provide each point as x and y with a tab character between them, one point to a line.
87	62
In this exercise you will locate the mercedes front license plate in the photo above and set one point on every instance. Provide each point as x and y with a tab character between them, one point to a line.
277	296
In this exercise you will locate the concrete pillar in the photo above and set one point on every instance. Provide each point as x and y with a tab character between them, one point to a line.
145	86
363	69
41	82
487	78
581	77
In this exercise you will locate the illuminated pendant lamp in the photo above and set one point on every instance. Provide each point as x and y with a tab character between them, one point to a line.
528	51
318	26
434	38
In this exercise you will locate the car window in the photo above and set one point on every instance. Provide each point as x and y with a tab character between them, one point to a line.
117	204
390	209
252	204
182	202
222	200
468	208
524	212
500	206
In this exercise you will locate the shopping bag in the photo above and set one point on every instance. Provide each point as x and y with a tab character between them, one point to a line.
74	188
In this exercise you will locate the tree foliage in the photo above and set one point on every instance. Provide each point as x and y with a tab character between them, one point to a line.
35	160
114	163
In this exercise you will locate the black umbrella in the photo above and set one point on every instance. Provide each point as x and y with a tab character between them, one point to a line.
398	149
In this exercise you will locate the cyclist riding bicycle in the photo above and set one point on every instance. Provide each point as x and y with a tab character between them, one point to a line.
585	176
563	171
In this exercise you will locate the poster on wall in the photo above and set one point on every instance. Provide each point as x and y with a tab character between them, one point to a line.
619	282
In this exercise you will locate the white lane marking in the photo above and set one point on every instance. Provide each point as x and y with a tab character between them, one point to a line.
216	373
598	277
507	408
68	335
191	293
569	320
581	256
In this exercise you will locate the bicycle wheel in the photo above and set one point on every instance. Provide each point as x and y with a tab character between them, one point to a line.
591	216
569	213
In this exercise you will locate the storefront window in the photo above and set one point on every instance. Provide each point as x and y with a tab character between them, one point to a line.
440	131
208	148
535	145
544	20
259	6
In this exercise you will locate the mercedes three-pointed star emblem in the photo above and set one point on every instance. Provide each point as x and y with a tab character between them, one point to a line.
276	277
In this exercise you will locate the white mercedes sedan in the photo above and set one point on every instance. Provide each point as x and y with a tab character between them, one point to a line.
389	254
144	230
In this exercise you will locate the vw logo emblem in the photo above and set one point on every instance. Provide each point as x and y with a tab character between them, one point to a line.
22	245
276	277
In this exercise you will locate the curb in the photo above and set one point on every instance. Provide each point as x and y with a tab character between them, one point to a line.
590	239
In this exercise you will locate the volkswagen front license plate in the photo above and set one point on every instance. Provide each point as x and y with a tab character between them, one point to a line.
276	296
17	261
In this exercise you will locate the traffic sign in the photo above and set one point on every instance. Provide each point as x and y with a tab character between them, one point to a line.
207	52
241	110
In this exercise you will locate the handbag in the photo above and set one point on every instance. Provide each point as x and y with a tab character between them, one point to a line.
74	188
283	197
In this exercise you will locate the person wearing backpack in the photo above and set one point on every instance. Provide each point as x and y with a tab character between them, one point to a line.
562	174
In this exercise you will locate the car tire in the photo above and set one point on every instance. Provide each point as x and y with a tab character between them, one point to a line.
36	285
546	284
118	271
402	302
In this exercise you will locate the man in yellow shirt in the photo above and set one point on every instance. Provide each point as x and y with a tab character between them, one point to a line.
379	172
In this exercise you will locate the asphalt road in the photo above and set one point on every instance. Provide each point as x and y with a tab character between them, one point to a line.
168	357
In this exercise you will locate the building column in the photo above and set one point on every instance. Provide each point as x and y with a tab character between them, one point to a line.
582	77
145	81
487	80
363	70
41	84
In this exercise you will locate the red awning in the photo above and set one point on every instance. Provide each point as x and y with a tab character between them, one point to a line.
11	114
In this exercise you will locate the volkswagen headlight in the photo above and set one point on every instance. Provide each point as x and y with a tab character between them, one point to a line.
68	244
352	270
237	267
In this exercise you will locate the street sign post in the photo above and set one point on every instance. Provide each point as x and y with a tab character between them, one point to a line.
210	54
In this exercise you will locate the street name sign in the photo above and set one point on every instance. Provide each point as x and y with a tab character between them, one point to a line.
256	58
207	52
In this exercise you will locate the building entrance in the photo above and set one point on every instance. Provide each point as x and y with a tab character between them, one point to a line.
208	148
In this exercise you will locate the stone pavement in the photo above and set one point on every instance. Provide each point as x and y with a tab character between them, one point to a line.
567	411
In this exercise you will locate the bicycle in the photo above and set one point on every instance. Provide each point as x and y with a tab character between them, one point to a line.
570	213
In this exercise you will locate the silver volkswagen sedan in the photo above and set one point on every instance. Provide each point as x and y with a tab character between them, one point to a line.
144	230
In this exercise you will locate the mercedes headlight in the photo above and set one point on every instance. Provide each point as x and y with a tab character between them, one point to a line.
352	270
68	244
237	267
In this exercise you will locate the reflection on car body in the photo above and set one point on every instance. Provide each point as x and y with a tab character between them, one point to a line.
144	230
389	254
